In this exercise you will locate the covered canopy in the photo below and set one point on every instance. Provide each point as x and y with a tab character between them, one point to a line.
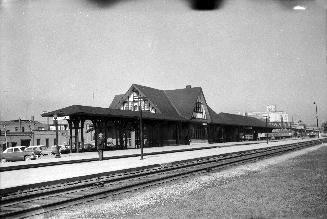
97	112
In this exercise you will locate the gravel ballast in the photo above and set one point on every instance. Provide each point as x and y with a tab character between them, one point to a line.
288	186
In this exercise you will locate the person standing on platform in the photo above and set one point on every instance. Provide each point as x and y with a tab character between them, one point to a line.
100	145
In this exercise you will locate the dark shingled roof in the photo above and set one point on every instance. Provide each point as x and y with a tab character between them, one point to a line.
159	99
236	120
115	102
179	102
184	100
233	119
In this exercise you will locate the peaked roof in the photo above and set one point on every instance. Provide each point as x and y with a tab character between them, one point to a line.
184	100
115	102
158	98
179	102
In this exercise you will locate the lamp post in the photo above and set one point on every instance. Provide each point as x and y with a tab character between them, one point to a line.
55	116
314	103
140	124
4	126
267	127
141	132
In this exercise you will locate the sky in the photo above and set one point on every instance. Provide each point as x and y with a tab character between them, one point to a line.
245	54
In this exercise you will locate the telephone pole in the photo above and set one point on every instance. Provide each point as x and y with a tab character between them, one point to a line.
314	103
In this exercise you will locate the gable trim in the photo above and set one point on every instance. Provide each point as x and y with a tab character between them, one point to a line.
130	90
206	106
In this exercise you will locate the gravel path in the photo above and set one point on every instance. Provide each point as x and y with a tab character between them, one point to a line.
288	186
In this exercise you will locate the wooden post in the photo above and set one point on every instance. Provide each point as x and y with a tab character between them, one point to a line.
244	133
223	133
70	135
151	142
95	126
125	133
82	136
106	132
76	124
209	134
116	134
177	134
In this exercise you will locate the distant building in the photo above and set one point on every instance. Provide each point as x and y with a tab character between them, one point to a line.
275	117
30	132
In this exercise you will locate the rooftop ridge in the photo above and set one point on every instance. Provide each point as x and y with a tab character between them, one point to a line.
185	88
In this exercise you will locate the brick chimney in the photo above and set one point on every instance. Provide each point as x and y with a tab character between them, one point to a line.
188	86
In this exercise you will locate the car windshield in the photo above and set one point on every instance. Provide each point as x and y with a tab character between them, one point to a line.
22	148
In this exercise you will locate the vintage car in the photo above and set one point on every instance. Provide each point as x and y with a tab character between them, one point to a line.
38	150
17	153
63	149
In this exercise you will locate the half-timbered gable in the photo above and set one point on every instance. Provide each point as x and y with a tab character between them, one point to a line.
201	110
133	100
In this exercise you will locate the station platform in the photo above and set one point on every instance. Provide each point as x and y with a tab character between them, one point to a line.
22	177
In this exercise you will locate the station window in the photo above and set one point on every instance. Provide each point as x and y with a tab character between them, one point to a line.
23	129
198	107
16	129
38	141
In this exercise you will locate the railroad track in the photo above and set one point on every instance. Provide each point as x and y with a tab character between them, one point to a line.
25	201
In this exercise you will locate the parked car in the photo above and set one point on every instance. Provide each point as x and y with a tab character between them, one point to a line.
46	151
38	150
63	149
17	153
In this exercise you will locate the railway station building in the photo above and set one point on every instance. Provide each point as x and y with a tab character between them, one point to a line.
168	117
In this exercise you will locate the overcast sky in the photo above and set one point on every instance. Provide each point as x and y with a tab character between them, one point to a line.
245	55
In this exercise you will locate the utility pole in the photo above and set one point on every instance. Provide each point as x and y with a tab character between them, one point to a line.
267	127
93	96
314	103
55	116
4	126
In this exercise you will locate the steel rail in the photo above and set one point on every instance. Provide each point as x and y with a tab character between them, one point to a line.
78	182
31	202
